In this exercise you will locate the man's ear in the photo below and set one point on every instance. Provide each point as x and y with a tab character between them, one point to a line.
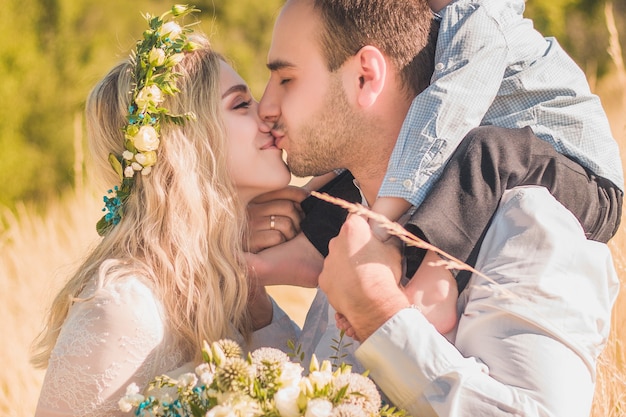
372	73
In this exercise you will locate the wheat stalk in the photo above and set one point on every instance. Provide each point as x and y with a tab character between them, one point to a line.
395	229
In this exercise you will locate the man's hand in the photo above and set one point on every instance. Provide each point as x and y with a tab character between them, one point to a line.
361	276
274	218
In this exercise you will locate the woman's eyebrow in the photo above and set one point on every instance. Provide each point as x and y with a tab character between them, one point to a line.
238	88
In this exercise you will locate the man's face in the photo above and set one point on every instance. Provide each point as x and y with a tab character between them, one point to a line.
304	103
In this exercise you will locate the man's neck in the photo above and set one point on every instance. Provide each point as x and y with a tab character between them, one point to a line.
369	184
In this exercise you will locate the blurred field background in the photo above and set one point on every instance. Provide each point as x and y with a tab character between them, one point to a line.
55	50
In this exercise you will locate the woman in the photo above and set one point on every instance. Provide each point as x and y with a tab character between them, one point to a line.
169	272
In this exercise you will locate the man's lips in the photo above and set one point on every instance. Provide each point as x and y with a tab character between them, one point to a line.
278	138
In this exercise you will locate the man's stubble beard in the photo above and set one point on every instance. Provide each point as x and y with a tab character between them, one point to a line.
331	138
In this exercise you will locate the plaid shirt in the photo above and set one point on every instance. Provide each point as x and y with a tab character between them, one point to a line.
493	68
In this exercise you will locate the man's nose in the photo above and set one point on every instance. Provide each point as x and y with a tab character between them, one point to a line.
269	110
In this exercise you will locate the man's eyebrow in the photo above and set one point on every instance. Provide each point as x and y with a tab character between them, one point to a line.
279	64
237	88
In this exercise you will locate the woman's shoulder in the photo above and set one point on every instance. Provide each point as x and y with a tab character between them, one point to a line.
114	334
128	299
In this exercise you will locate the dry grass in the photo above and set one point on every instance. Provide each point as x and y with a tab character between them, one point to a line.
38	253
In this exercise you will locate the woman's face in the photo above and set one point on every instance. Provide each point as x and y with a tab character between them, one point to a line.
254	161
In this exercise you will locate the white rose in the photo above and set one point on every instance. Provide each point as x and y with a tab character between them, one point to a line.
132	389
125	405
148	94
146	139
204	373
187	380
131	399
286	400
128	155
320	379
136	166
318	407
156	57
290	374
146	171
171	30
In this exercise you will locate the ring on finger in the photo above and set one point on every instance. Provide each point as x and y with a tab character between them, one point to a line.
272	222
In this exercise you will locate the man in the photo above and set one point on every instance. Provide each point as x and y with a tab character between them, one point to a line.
350	116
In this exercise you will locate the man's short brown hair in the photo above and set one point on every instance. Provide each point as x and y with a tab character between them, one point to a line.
404	30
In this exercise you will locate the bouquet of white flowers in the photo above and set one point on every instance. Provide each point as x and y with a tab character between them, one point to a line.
265	383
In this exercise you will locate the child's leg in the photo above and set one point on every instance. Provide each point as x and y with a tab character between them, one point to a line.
434	291
490	160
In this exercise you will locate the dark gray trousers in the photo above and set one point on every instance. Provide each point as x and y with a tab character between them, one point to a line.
490	160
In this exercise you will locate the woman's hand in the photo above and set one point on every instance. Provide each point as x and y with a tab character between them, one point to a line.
274	218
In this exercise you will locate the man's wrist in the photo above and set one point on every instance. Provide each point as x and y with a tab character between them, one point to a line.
375	317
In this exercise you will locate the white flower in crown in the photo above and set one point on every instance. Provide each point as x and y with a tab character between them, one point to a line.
149	94
128	155
156	57
171	30
146	139
129	172
175	59
146	159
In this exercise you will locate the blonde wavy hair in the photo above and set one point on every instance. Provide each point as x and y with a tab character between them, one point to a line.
183	226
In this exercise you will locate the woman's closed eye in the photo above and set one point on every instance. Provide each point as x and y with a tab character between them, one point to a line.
242	105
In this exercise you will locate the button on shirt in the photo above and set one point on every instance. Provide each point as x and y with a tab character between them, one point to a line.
493	68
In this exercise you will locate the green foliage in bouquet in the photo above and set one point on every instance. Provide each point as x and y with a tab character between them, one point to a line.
263	383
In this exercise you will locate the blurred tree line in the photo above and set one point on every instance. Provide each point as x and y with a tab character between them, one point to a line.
55	50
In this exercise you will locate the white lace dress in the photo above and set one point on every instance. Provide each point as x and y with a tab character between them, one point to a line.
116	338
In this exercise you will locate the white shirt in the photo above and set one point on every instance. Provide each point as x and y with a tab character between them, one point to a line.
528	338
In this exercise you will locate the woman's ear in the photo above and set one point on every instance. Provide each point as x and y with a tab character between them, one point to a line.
372	69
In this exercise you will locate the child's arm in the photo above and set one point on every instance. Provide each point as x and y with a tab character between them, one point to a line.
318	182
392	208
433	290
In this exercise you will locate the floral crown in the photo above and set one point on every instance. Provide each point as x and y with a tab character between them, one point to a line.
162	47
